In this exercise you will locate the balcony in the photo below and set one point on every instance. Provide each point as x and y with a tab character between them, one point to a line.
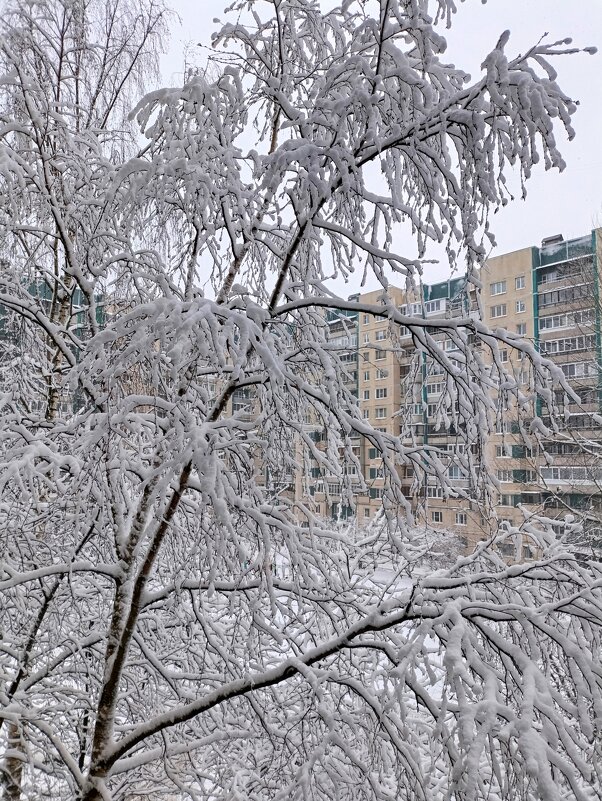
558	252
574	293
576	475
352	478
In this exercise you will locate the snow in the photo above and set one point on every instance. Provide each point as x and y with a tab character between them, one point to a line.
174	621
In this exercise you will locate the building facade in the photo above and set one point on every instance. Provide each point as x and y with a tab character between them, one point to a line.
547	295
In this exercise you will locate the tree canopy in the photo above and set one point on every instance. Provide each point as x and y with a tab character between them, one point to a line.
173	625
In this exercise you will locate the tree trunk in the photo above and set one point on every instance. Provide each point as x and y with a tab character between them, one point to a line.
13	766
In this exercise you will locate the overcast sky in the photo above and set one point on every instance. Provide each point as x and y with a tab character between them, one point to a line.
569	203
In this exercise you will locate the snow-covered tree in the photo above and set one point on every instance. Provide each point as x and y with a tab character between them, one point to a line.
174	625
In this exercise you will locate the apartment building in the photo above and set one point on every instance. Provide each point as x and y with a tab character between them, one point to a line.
548	295
396	391
551	295
29	363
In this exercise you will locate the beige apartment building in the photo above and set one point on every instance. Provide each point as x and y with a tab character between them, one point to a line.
548	295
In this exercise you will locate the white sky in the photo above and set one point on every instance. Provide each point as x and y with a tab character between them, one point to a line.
569	203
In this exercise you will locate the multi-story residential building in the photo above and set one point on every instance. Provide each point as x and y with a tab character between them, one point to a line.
30	364
381	360
548	295
396	392
551	295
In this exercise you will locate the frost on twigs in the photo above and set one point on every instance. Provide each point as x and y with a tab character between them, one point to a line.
177	619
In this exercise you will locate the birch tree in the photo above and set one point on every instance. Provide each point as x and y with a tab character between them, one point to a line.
172	626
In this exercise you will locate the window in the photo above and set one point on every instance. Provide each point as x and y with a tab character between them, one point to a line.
366	375
380	354
504	355
344	341
455	447
523	476
241	406
365	413
566	295
571	473
376	472
366	394
460	518
521	329
381	392
498	311
372	453
579	369
501	451
576	421
505	476
434	492
437	516
507	427
521	306
586	395
566	320
498	288
366	319
381	374
366	512
435	389
507	500
454	472
376	492
519	282
380	412
551	275
431	307
381	335
365	356
569	344
561	448
366	338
